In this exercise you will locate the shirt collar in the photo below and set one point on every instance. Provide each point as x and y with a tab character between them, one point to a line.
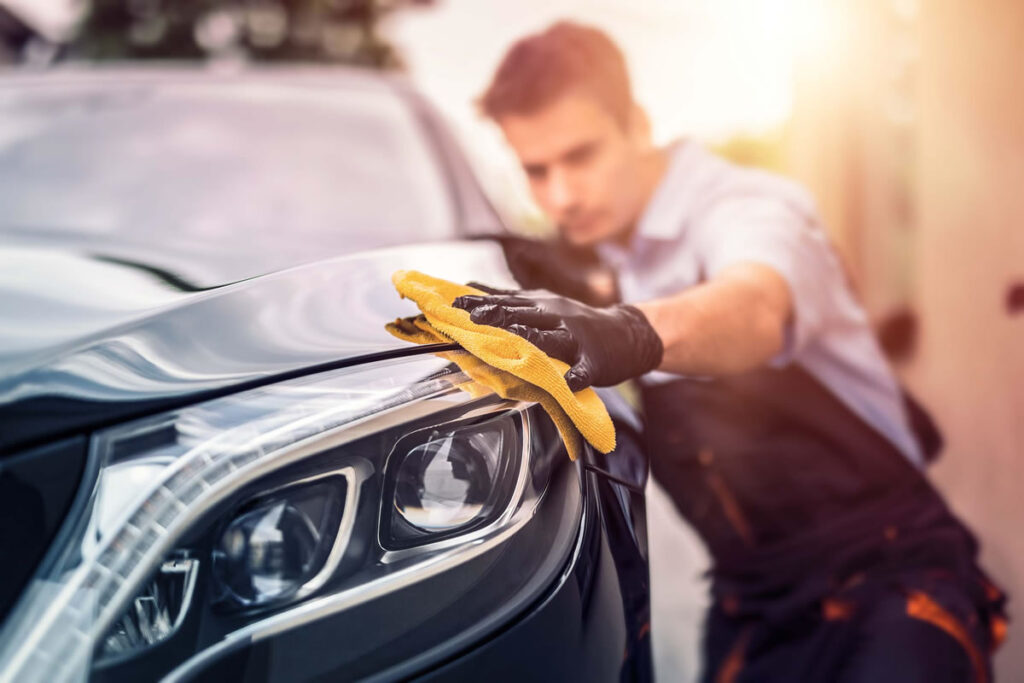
664	218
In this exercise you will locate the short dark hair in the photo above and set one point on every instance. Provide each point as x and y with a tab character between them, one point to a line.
567	56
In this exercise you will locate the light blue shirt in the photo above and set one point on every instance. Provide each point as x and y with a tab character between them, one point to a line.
708	214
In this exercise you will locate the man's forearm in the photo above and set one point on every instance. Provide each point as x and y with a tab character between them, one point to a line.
735	322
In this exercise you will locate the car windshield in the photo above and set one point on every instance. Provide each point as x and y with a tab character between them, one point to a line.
262	165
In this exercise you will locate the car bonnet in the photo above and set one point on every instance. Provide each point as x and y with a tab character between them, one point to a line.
88	342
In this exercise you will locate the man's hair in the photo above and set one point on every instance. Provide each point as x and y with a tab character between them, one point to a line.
567	57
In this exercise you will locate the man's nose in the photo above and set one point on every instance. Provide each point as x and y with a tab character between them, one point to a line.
561	197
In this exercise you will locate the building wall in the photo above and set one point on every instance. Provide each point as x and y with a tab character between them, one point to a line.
911	134
969	248
852	142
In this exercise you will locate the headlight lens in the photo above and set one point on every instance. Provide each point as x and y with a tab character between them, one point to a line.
156	612
275	545
316	487
446	481
445	484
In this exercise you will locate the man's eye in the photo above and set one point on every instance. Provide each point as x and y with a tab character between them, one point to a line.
580	155
535	172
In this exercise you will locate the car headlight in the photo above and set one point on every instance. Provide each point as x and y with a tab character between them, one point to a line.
249	515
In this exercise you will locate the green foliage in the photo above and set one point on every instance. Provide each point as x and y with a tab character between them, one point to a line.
336	31
767	151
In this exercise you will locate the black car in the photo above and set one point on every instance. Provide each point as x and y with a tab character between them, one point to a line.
215	463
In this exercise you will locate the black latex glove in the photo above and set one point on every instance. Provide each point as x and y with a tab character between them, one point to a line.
603	346
557	266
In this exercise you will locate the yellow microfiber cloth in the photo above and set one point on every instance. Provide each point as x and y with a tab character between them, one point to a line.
506	363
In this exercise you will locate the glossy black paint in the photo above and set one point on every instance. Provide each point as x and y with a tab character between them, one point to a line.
126	363
593	625
143	333
96	329
36	491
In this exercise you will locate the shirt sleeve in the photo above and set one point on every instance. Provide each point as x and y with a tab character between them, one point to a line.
768	231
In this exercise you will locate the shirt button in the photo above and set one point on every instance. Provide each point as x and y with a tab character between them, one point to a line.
706	457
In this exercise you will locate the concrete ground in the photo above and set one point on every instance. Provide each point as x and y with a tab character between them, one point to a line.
678	590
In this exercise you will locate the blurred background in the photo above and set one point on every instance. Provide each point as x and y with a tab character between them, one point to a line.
904	117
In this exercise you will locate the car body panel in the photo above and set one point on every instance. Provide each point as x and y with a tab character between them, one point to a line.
36	491
141	342
583	630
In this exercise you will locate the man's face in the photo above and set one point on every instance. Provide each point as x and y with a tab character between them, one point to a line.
582	166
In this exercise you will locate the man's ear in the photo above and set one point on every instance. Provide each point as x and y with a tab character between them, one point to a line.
639	127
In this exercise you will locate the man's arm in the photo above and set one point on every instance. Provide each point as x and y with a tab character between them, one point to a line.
732	323
766	298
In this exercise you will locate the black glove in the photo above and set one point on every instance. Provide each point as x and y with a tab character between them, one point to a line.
557	266
603	346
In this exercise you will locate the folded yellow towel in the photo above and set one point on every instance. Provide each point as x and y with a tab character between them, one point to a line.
506	363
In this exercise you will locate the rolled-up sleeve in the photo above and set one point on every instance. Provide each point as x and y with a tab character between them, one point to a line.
769	231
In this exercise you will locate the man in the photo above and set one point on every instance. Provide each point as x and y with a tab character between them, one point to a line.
774	421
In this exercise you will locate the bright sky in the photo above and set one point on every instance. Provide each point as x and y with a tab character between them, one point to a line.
705	68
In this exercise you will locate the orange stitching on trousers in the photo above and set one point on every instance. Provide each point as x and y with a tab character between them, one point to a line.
733	663
731	507
836	609
999	627
921	606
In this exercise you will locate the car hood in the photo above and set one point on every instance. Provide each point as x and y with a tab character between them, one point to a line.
89	340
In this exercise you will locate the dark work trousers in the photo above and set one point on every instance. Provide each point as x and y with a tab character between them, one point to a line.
833	558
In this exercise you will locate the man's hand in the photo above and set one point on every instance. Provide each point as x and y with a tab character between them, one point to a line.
603	346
